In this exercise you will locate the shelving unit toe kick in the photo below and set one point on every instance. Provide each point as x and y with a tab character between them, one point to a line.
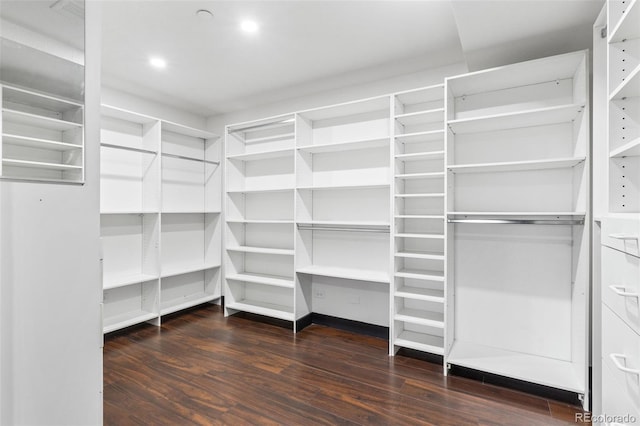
531	368
262	308
126	320
420	342
123	281
346	273
264	279
171	306
419	316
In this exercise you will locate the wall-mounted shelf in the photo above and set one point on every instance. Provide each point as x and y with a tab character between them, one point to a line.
345	273
514	166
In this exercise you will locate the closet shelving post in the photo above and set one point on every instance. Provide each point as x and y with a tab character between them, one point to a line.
620	238
518	213
130	217
419	234
42	136
259	232
190	228
160	217
342	201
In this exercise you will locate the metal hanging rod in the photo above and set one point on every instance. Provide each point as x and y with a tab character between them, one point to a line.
348	228
263	125
520	221
181	157
128	148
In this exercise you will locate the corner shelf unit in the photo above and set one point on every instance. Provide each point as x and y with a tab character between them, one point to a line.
42	136
417	302
160	217
518	209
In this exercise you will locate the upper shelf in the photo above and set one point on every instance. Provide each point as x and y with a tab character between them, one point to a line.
125	115
28	119
513	166
262	155
39	165
419	137
627	150
628	26
345	146
348	109
514	120
628	88
414	118
33	98
517	75
38	143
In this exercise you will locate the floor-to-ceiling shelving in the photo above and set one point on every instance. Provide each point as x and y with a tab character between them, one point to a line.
418	240
160	217
518	211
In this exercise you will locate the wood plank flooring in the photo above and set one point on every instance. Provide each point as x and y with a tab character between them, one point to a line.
201	368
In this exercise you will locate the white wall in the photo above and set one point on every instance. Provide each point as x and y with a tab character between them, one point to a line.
50	285
350	300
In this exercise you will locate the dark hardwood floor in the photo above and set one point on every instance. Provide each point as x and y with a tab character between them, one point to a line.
202	368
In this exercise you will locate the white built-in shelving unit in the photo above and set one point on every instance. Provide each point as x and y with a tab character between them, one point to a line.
518	209
42	136
419	233
618	360
160	217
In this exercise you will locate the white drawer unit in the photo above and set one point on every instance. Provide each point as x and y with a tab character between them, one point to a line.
621	285
622	234
621	372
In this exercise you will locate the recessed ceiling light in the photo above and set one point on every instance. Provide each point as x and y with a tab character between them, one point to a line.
157	62
204	14
249	26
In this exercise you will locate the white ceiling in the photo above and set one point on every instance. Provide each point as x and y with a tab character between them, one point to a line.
305	46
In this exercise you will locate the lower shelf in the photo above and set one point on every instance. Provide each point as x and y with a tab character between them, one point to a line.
550	372
127	319
420	342
175	305
418	274
421	317
125	280
264	279
174	270
418	293
261	308
346	273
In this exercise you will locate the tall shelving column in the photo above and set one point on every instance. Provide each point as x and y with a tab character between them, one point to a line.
259	232
342	204
419	233
620	236
190	228
130	217
518	210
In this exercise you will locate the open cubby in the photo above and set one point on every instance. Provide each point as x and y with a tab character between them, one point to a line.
129	305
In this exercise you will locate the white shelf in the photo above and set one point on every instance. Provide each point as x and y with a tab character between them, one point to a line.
421	317
261	250
332	187
346	146
419	216
426	236
420	342
347	109
344	223
630	149
418	156
187	130
35	98
139	212
514	166
417	293
272	280
420	274
190	212
531	368
420	255
434	175
115	282
34	120
630	87
186	269
520	214
125	115
419	137
262	308
258	190
421	117
126	320
265	139
39	165
263	155
627	27
171	306
346	273
38	143
512	120
434	195
261	222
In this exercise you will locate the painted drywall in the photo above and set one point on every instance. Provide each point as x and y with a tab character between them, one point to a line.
50	327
